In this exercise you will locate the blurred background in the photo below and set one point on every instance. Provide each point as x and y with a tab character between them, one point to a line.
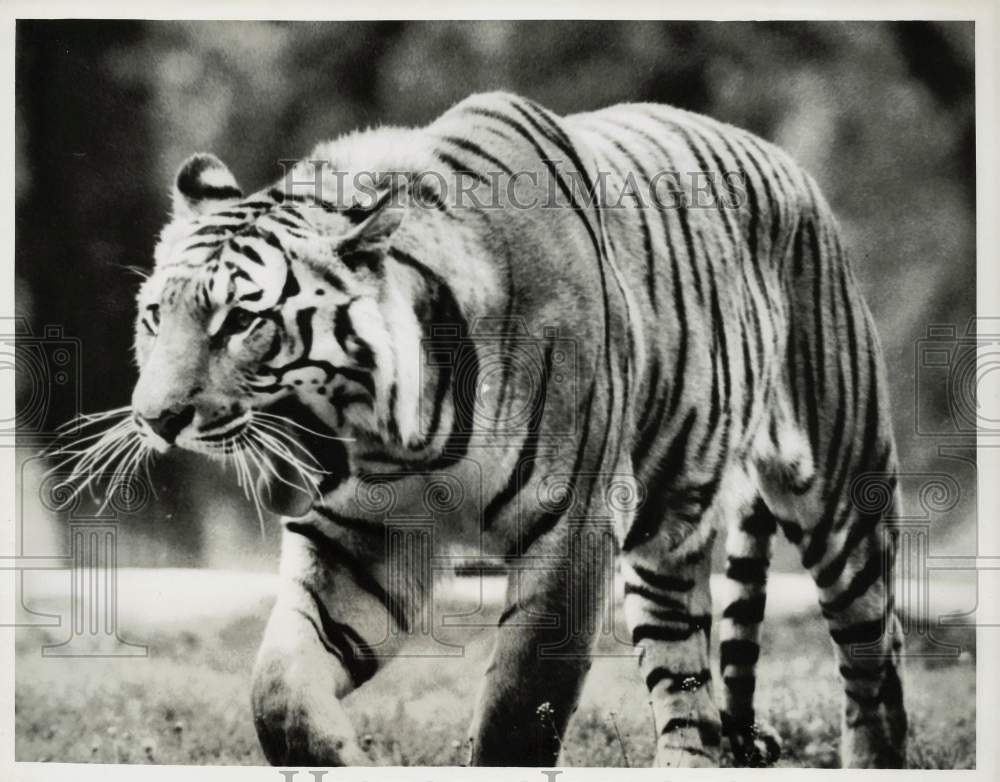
882	114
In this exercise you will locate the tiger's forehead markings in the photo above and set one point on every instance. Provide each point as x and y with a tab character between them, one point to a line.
210	233
239	257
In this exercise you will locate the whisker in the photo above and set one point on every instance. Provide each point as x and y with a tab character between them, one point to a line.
297	425
86	438
102	464
256	445
125	468
261	463
306	471
250	490
62	446
85	457
287	440
146	457
138	270
86	419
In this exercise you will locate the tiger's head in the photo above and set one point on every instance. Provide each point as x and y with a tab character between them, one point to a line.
268	298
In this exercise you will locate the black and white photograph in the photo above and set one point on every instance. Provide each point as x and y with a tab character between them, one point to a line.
537	394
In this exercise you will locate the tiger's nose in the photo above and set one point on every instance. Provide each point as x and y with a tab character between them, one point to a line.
169	423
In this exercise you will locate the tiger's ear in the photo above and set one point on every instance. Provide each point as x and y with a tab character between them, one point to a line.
378	224
204	184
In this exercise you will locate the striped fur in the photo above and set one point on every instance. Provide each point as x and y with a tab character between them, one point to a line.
715	358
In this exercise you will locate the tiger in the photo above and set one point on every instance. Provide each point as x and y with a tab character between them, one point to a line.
491	315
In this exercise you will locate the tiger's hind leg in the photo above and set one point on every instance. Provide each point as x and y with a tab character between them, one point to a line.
668	608
853	574
334	624
850	560
748	555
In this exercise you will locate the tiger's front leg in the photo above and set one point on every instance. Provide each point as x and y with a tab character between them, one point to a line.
335	623
543	649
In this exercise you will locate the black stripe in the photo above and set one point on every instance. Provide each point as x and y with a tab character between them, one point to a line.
212	229
721	351
709	732
289	289
247	251
863	674
859	585
219	423
645	525
749	383
443	308
671	634
741	689
865	699
688	134
664	601
507	613
361	526
475	149
524	465
680	307
860	633
558	138
654	398
596	241
774	202
549	520
685	225
216	193
747	570
205	245
274	348
330	647
343	327
738	651
761	523
351	649
335	553
817	543
461	168
282	220
679	681
792	531
746	611
270	238
664	583
647	235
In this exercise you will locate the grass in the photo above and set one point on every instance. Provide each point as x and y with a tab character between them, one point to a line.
187	703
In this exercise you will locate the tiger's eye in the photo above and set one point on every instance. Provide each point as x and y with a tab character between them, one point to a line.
238	320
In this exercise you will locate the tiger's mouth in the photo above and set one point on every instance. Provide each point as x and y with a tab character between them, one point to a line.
284	457
186	430
220	435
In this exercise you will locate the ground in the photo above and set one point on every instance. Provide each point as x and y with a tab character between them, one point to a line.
187	702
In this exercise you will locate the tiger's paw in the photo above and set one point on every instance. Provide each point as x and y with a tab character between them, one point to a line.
754	743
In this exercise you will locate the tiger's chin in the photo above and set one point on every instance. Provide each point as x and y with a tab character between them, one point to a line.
285	493
320	450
